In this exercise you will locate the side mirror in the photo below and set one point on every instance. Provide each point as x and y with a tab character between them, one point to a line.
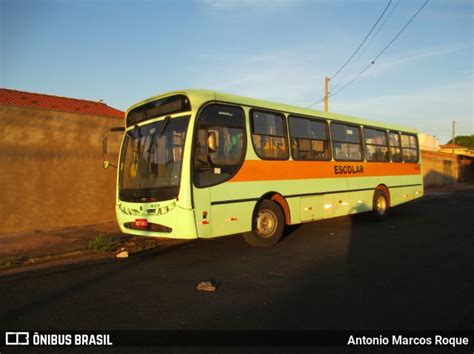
212	141
106	163
117	129
104	144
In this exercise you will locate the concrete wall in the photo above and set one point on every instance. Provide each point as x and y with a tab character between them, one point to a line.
428	142
51	171
439	168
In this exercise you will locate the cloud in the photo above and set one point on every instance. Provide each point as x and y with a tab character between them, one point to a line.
384	65
295	75
431	110
278	76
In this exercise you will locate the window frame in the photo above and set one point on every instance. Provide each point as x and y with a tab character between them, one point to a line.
361	142
285	132
417	149
396	147
198	124
387	145
328	136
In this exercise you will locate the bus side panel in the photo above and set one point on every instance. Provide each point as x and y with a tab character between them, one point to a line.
327	205
237	200
310	208
232	218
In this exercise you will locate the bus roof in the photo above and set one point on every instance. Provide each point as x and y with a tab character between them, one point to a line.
209	95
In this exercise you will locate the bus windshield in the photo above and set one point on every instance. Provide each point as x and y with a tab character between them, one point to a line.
150	162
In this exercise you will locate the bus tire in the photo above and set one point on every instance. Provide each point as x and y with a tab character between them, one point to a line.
267	225
380	205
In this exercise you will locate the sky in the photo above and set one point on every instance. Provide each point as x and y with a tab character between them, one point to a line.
123	51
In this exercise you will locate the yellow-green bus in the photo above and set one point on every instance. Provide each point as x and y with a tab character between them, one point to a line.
203	164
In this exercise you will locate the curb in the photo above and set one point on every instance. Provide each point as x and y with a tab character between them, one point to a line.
80	256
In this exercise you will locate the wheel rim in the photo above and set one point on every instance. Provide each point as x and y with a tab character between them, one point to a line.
381	205
266	223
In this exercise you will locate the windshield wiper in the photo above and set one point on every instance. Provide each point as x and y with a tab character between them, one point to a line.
159	133
163	126
152	149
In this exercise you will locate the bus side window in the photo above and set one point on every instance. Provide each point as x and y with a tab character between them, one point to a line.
376	147
346	142
409	147
395	146
309	139
226	126
269	135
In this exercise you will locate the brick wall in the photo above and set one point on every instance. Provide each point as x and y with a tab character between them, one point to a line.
51	171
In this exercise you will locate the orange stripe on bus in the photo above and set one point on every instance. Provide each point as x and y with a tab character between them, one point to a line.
258	170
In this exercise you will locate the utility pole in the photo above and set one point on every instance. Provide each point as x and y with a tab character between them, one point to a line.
326	94
453	140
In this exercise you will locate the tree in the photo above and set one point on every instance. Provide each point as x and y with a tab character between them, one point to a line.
464	140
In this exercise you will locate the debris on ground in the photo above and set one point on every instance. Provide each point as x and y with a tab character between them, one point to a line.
206	286
274	274
122	254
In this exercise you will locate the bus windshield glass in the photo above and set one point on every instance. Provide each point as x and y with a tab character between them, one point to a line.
151	159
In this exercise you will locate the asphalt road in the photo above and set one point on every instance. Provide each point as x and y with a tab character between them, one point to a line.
413	271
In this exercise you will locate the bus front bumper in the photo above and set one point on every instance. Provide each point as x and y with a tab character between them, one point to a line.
164	219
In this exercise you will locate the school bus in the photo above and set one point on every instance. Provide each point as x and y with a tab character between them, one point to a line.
204	164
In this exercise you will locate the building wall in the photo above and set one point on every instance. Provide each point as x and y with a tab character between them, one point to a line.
439	168
51	171
466	168
428	142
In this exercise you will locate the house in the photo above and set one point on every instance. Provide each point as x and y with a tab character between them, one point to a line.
457	149
445	164
51	161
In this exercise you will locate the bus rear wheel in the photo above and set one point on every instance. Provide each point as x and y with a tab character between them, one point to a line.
380	205
267	225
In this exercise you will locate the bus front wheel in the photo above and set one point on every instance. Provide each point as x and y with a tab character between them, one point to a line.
380	204
267	225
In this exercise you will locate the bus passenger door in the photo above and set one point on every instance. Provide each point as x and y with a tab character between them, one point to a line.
218	153
201	170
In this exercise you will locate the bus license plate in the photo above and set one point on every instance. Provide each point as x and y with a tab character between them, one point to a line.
141	223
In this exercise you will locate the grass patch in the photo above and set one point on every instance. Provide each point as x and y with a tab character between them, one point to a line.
12	261
103	244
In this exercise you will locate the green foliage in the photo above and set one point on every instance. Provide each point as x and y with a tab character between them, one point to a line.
103	244
464	140
12	261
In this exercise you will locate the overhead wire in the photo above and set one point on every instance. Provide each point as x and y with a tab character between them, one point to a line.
334	86
376	57
363	41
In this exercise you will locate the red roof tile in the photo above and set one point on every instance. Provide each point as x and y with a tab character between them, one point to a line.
453	146
57	103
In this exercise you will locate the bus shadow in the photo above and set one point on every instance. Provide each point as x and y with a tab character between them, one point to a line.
356	273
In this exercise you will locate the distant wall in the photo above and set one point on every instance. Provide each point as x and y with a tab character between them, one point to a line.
51	171
439	168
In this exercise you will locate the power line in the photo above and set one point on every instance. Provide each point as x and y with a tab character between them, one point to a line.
368	43
378	55
360	45
400	32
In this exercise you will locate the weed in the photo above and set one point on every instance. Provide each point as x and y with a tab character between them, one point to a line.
12	261
103	244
